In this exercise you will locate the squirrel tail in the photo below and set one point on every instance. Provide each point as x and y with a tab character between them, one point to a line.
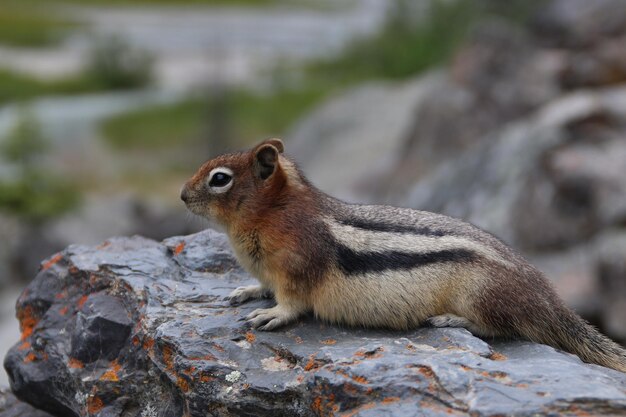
573	334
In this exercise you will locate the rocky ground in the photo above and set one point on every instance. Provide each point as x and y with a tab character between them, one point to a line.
12	407
134	327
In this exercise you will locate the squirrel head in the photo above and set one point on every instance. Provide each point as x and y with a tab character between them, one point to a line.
236	184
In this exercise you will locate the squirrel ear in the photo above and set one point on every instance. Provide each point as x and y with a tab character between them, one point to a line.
266	159
277	143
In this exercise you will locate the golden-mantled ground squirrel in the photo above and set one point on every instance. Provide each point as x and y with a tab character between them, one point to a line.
376	266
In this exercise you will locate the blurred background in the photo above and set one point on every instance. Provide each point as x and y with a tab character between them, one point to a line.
511	115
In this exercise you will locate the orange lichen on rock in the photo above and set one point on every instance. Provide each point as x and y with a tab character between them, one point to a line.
148	343
74	363
182	384
495	356
250	337
207	357
168	358
359	379
217	347
189	371
317	405
376	353
350	388
94	405
179	248
109	376
390	400
27	320
112	373
31	357
328	342
81	301
63	311
325	405
426	371
312	364
56	258
367	406
115	365
24	346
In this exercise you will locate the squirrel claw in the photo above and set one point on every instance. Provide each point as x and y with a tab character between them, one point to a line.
242	294
270	318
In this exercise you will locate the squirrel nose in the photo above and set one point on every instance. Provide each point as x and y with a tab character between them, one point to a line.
184	194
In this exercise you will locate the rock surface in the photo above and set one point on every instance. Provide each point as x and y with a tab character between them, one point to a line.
99	217
360	131
547	181
12	407
134	327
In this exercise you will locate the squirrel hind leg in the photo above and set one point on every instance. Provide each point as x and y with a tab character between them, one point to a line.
451	320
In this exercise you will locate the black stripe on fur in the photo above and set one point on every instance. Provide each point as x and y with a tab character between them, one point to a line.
378	226
354	263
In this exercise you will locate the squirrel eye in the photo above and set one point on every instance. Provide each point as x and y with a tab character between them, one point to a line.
220	179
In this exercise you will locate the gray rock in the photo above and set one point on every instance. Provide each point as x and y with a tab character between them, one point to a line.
9	230
102	328
590	278
580	23
611	271
602	65
349	141
22	246
542	182
12	407
189	353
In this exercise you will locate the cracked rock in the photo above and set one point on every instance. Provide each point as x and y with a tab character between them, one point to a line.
134	327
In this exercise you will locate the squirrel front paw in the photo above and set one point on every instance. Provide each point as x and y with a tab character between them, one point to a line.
250	292
271	318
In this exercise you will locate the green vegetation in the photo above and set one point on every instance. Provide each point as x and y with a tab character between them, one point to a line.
18	87
113	65
155	126
404	47
30	26
249	116
177	2
33	194
408	44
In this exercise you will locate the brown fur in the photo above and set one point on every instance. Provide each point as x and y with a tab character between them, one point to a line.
296	240
267	221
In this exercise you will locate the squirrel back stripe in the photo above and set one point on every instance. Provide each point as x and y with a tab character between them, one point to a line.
356	263
363	240
378	226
